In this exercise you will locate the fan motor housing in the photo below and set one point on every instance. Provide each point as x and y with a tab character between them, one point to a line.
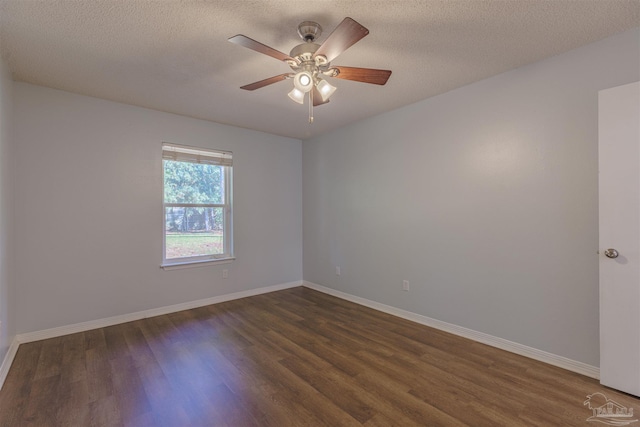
304	51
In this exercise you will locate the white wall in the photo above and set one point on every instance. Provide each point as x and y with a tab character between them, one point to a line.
89	209
7	297
484	198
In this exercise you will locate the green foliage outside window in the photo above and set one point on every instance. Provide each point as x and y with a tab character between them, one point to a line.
193	183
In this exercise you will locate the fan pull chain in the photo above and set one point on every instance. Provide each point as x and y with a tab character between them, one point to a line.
311	106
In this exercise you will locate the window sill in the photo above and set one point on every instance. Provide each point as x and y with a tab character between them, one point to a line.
192	264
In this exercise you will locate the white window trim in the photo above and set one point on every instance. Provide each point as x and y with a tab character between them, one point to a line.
191	264
202	261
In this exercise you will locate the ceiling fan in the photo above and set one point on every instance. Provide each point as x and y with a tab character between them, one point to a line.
310	62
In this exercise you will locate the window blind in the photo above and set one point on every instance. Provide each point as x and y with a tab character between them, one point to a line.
181	153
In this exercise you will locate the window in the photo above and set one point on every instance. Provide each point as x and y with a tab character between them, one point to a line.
197	205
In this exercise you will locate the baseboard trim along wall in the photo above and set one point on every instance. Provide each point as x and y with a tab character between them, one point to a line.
513	347
8	360
115	320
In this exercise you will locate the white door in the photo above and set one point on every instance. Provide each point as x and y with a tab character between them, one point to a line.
619	189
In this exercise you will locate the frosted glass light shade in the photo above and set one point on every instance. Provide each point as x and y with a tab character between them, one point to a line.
303	81
297	96
325	89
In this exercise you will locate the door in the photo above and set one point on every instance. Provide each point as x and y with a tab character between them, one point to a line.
619	190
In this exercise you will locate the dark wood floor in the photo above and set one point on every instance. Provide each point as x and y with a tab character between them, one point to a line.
290	358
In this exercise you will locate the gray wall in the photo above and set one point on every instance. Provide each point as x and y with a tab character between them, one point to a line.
7	298
88	197
485	198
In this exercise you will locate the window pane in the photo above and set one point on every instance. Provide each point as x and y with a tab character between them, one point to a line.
193	183
193	232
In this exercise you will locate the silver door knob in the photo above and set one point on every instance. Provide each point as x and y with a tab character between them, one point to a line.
611	253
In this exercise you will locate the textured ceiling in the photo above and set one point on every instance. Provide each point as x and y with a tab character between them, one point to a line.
174	55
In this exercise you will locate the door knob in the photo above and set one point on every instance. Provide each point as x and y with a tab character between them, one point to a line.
611	253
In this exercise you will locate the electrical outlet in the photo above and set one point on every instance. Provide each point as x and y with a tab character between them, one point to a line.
405	285
337	271
225	274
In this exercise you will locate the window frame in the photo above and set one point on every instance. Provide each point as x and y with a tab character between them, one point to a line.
227	207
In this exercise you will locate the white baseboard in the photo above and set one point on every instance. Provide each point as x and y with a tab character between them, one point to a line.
513	347
523	350
8	360
115	320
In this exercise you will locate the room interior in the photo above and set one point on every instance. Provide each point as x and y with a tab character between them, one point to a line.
472	174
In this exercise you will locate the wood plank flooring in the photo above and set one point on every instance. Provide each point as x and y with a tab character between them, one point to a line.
291	358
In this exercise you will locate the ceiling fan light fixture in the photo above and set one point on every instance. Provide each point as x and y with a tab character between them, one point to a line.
303	81
297	95
325	89
310	62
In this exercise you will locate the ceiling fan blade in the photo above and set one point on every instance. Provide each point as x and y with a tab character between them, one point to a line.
317	98
344	36
266	82
259	47
365	75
